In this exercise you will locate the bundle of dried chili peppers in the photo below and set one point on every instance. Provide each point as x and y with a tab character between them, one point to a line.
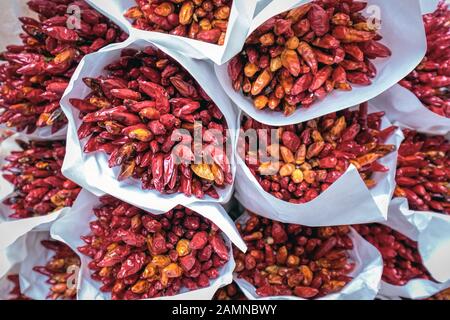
288	259
230	292
300	56
310	156
443	295
144	114
36	73
39	186
59	270
203	20
15	293
430	81
423	172
137	255
401	258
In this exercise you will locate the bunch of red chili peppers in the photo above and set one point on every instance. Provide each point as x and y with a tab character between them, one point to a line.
39	186
289	259
137	255
59	270
310	156
423	172
36	73
401	258
300	56
203	20
430	80
144	114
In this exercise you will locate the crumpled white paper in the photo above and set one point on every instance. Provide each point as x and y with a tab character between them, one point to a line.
11	26
366	276
76	223
12	229
428	6
238	25
346	201
432	232
91	171
403	32
401	105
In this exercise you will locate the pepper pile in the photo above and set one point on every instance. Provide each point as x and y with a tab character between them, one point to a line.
137	255
37	73
203	20
288	259
300	56
230	292
401	259
134	113
15	293
443	295
39	186
313	155
423	172
430	80
58	270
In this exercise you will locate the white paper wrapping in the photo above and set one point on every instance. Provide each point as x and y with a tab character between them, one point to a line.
76	223
346	201
432	232
238	25
402	31
11	27
92	172
366	276
428	6
12	229
401	105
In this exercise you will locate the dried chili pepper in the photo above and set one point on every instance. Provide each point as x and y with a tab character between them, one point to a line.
289	259
15	293
401	258
58	270
430	81
299	56
203	20
443	295
39	186
230	292
36	74
137	120
138	255
311	156
423	172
